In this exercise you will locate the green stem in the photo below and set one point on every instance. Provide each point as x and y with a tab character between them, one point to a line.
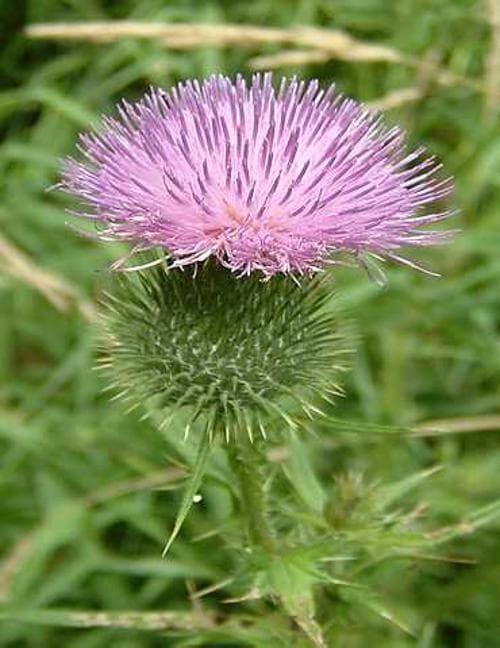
247	461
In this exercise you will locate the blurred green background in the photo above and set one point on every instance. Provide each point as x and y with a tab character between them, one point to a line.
88	493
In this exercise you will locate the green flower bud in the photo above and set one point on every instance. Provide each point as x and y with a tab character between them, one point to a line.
235	351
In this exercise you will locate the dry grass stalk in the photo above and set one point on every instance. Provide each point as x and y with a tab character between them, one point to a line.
492	71
11	564
397	98
344	46
200	34
286	58
138	620
189	36
458	425
427	73
314	45
55	289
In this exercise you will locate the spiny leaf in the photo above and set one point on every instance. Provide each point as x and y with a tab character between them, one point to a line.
301	608
191	489
370	600
300	474
387	495
474	521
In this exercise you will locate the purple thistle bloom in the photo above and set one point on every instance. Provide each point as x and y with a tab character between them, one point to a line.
262	179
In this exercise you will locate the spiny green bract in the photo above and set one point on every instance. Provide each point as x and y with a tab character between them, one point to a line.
230	349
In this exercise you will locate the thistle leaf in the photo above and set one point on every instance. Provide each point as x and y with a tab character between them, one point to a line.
392	492
191	489
301	476
301	609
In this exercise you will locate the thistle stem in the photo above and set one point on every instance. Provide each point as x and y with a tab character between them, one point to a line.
247	461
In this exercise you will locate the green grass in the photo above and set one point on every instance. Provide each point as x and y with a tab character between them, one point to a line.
89	493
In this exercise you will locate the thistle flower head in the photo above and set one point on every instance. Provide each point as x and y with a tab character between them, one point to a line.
230	351
266	179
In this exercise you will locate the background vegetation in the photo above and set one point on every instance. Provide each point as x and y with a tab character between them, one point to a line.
89	493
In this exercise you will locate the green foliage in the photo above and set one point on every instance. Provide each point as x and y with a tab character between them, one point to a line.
386	551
